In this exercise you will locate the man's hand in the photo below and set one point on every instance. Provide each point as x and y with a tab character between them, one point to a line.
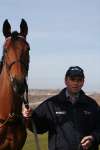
86	142
27	112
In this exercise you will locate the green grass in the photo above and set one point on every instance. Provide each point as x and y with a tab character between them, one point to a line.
30	142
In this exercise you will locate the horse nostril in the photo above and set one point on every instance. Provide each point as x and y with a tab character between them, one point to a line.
19	86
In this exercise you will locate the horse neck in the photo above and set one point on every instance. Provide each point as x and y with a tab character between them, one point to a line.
9	102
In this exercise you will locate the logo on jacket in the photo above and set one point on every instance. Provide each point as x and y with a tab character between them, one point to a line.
87	112
60	112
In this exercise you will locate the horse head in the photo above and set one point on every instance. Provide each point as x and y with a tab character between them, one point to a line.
16	56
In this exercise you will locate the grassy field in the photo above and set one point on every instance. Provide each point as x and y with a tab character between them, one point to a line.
30	142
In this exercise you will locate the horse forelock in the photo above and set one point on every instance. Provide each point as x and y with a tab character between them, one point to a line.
14	35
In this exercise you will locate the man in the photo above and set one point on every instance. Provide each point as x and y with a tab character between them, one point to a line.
71	118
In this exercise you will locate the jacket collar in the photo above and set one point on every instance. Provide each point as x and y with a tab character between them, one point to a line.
62	98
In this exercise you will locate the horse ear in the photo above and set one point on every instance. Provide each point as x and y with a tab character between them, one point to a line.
6	28
23	28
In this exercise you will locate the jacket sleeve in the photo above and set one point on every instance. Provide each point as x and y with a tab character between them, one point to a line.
96	132
41	118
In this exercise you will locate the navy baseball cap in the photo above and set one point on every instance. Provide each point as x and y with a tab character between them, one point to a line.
75	71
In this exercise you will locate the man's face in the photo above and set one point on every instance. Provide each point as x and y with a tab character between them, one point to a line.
74	84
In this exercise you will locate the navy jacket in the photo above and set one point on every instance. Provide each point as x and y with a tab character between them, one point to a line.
68	123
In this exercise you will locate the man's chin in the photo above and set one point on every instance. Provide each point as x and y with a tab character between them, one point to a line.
75	91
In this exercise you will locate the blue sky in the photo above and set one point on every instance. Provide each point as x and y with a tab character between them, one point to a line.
62	33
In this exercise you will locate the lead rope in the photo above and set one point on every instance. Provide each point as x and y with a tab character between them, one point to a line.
26	103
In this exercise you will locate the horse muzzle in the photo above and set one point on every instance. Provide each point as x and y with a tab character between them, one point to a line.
19	86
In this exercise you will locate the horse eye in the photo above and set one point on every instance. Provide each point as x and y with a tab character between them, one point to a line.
5	50
28	48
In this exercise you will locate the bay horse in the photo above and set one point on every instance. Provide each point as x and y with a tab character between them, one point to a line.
13	83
